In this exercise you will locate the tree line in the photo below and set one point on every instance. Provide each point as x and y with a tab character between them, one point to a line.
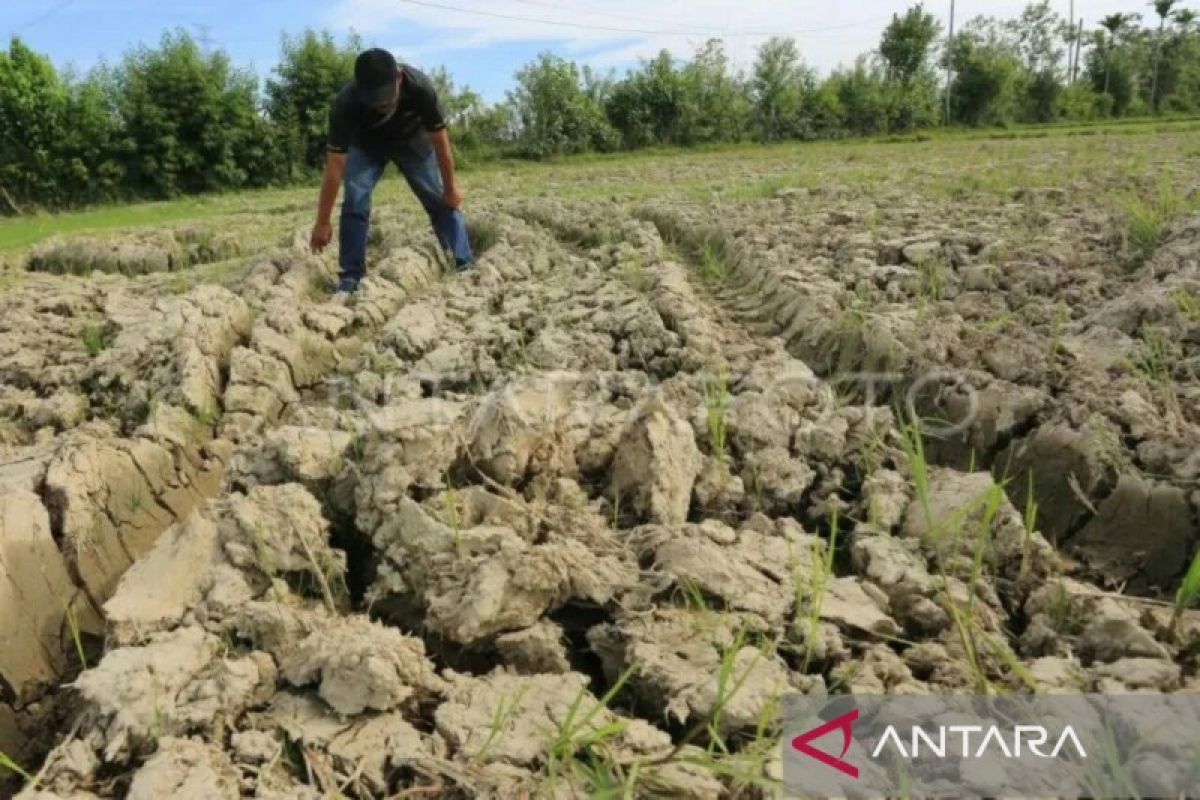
175	119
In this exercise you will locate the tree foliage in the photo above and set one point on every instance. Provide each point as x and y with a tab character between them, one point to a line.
312	69
174	119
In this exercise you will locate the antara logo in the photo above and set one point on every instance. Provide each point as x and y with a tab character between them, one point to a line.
844	723
1021	740
1008	744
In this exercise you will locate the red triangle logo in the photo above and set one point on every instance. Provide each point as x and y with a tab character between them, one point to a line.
844	723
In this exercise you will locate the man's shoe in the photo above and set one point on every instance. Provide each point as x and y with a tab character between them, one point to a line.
347	286
463	264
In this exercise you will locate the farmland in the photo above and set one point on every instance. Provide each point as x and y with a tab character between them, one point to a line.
697	430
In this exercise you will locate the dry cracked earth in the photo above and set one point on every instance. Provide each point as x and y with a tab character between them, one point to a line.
571	523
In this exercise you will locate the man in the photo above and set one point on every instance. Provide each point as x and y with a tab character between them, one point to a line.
389	112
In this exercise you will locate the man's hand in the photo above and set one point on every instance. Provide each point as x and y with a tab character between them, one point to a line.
452	196
322	234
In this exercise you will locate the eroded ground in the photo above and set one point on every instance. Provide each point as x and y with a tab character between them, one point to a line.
696	432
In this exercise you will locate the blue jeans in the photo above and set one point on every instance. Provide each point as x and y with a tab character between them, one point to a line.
363	171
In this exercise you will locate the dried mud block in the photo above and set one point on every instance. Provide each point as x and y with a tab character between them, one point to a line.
681	653
516	429
310	456
186	769
114	498
486	579
538	705
1064	464
134	689
1143	535
512	587
535	650
413	443
1138	675
259	385
278	530
175	683
949	529
308	355
850	603
746	569
656	464
35	591
165	584
378	745
360	665
1068	617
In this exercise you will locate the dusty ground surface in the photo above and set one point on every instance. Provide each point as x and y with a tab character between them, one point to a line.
569	524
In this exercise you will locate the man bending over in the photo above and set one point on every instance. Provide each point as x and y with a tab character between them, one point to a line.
389	112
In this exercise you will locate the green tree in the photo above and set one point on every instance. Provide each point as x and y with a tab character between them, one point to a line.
1116	25
1112	62
33	122
1165	10
862	98
905	49
554	114
907	43
648	105
89	147
477	129
777	88
313	67
987	70
190	120
716	105
1178	87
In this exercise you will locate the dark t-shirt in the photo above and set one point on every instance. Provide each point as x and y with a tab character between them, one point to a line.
352	122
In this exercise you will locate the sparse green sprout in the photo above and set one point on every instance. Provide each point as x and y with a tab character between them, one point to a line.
1062	315
1030	523
932	285
1146	222
693	596
633	272
574	737
8	764
1153	361
726	687
450	498
912	441
319	287
1188	303
96	339
137	498
1188	592
501	714
714	263
822	572
76	638
992	499
716	406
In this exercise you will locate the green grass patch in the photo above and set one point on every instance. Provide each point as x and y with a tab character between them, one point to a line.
20	232
96	338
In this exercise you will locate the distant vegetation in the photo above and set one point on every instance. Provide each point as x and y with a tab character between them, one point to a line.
175	120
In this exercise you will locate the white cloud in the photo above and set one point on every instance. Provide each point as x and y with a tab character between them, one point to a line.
829	33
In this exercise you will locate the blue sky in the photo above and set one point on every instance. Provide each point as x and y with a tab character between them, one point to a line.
482	42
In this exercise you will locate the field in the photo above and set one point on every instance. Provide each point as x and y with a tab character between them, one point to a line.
698	430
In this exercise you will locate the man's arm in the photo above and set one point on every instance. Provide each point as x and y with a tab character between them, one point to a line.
445	157
331	183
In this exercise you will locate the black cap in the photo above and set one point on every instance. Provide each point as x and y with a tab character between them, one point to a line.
375	77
